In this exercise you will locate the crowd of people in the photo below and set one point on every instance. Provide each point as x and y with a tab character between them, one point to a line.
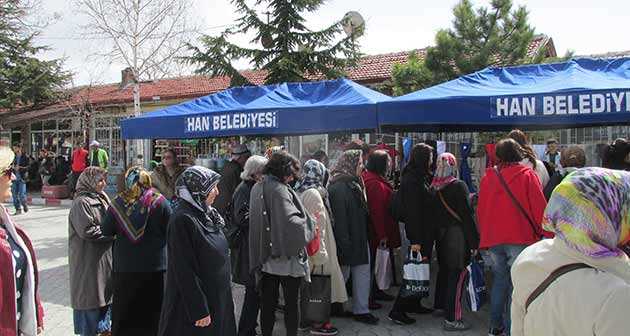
159	258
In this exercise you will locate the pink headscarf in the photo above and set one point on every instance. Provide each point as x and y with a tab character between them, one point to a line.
445	171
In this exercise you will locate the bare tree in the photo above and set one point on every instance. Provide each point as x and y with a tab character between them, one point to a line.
146	35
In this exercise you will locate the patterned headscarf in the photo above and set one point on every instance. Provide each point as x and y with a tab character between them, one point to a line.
590	211
314	175
194	185
86	184
347	164
133	206
445	171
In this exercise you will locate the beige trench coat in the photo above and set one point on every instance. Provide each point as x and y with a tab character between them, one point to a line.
584	302
89	255
314	205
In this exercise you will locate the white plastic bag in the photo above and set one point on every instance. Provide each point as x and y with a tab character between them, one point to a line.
416	277
383	268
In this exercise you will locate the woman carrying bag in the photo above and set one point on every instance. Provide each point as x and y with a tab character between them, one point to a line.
324	263
456	235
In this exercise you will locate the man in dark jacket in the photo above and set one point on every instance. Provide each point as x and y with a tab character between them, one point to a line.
230	179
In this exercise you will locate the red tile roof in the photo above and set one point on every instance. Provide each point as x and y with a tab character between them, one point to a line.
370	69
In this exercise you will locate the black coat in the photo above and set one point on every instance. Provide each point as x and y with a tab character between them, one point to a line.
419	205
197	277
351	215
455	238
230	179
554	181
240	218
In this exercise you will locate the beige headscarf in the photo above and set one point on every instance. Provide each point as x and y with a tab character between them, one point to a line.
86	185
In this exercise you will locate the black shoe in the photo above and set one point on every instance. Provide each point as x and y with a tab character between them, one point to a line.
382	296
17	212
496	332
366	319
400	318
421	310
25	208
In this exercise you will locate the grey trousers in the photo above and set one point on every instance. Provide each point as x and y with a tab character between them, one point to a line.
361	281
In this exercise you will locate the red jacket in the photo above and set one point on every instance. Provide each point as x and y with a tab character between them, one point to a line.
500	221
379	194
8	325
79	160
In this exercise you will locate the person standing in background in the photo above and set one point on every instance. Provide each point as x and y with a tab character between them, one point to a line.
20	169
384	231
505	230
138	217
230	179
79	163
456	237
252	173
552	155
418	211
198	296
98	156
279	231
351	217
90	255
166	173
529	156
573	158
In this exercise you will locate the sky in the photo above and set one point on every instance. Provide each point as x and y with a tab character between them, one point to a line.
584	26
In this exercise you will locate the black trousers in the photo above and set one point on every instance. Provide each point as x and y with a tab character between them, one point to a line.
269	296
448	291
249	316
137	303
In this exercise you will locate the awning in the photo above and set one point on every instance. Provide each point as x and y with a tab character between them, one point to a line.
580	92
281	109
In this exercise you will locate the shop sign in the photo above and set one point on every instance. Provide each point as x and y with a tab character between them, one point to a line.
560	104
233	121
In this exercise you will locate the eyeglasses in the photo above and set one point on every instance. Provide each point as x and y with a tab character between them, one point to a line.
7	172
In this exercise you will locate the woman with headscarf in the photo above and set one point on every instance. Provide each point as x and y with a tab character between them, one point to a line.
21	311
90	255
252	173
138	217
279	231
198	296
351	216
312	190
589	212
456	235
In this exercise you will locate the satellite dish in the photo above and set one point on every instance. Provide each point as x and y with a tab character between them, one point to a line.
353	23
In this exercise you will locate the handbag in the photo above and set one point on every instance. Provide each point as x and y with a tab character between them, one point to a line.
383	268
416	277
517	204
314	245
316	297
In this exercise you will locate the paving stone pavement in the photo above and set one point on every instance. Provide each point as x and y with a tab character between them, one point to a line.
48	228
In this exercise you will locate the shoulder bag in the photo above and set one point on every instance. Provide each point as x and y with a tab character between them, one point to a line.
517	204
550	279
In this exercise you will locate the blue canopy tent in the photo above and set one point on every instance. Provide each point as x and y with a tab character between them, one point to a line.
580	92
280	109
